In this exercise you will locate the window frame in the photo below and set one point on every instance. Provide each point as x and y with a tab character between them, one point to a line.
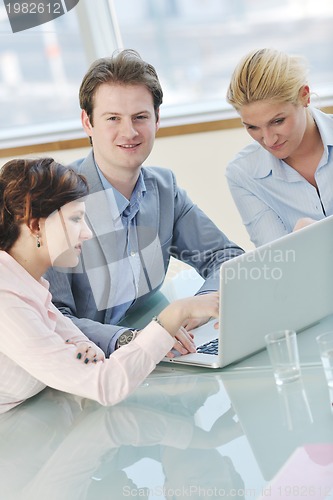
82	141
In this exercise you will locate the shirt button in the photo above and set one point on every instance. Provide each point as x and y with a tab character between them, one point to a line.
133	254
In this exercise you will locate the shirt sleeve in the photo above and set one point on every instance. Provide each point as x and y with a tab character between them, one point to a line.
198	242
40	350
104	335
262	223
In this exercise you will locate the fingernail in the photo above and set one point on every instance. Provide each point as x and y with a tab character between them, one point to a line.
79	356
86	360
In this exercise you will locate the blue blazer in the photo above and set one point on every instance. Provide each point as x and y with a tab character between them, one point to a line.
170	225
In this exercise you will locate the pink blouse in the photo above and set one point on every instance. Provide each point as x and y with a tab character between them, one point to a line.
34	353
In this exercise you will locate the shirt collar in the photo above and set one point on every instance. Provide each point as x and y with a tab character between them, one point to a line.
324	123
266	165
138	192
120	205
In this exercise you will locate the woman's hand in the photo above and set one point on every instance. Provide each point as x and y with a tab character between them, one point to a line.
184	343
303	222
87	352
177	313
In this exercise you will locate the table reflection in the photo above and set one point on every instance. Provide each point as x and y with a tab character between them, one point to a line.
60	447
294	405
278	420
208	435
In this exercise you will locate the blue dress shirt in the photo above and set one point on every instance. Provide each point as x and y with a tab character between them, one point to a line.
271	196
123	212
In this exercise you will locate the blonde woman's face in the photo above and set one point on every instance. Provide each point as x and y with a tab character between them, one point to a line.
277	127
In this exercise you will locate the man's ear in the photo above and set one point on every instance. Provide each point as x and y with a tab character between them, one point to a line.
157	120
85	120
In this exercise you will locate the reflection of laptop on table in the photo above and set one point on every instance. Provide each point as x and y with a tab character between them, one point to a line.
276	421
284	284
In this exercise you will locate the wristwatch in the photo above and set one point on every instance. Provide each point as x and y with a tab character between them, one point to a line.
126	337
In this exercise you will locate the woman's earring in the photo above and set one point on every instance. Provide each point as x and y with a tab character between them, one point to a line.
38	241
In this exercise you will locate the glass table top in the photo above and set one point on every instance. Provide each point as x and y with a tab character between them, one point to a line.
184	433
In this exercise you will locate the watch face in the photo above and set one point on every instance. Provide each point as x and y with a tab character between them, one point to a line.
125	338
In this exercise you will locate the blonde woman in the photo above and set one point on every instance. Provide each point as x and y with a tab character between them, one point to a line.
284	179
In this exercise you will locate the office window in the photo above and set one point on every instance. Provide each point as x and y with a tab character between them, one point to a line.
39	73
194	45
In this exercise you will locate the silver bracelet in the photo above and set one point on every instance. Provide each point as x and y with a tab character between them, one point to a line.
155	318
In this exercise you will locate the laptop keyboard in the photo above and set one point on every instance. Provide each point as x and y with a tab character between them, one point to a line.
209	348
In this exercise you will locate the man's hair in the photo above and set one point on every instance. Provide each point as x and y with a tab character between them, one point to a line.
267	74
123	68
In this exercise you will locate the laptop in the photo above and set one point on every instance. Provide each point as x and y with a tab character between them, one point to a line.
285	284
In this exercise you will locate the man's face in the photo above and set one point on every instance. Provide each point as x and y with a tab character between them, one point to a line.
124	127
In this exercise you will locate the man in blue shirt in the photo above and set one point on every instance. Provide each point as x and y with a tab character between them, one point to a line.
138	215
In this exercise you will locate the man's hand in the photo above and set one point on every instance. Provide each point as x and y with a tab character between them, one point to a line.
193	323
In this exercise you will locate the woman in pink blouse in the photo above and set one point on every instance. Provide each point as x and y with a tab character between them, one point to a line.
42	223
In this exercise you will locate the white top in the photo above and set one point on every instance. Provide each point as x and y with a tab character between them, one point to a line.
34	353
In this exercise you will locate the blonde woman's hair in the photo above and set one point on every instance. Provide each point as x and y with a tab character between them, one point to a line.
267	74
